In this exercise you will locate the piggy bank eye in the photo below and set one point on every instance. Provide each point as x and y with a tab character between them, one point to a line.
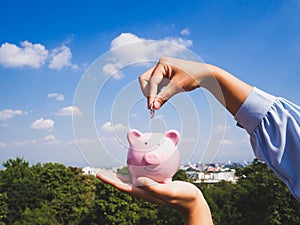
146	143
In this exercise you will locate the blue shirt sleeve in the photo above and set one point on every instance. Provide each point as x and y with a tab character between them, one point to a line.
273	124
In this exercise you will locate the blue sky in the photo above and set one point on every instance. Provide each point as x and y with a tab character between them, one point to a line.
46	47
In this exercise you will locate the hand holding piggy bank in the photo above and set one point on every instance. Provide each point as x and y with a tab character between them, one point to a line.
153	155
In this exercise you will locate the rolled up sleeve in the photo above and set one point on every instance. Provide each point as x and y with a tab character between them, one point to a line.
274	127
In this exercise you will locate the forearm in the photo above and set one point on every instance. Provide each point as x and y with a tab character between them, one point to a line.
228	89
187	75
198	213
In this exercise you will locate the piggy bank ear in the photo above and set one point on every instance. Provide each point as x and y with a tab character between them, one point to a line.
133	135
173	135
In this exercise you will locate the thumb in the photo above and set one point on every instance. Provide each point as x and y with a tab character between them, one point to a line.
145	181
166	93
157	190
152	186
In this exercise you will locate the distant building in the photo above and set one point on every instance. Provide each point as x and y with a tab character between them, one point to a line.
90	171
212	172
93	171
199	173
211	177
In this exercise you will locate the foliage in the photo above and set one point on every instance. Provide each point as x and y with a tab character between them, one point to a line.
258	197
3	208
181	175
219	196
55	194
35	192
123	171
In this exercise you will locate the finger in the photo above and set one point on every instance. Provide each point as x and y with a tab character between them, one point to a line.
155	188
149	83
127	188
156	81
145	181
166	93
114	181
153	89
165	191
144	81
131	189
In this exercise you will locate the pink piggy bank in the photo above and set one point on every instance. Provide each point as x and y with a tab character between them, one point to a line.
153	155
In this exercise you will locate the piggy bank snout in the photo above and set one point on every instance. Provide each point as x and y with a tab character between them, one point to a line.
153	155
151	158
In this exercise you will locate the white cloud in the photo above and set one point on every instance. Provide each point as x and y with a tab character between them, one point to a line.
109	127
81	141
69	111
32	55
7	114
112	69
58	97
220	128
61	57
35	55
26	142
49	140
2	145
125	39
146	49
43	124
129	38
185	31
227	142
179	41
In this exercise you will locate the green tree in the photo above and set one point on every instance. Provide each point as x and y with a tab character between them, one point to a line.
21	188
258	197
41	216
220	199
262	198
73	191
55	194
114	207
181	175
34	191
3	208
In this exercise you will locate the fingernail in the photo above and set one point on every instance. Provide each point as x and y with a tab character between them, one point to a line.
157	104
141	181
